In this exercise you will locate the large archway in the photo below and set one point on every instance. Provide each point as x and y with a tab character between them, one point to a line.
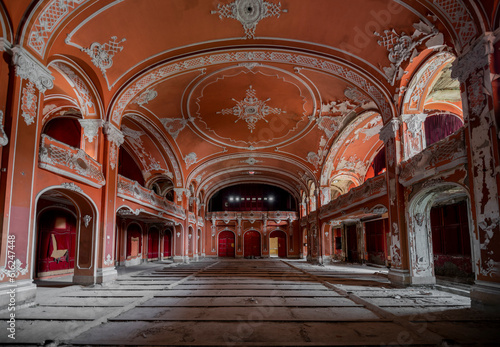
421	223
167	243
65	239
153	243
251	244
56	242
226	244
277	244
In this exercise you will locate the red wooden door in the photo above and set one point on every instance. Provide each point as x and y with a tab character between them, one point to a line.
252	244
153	237
226	244
167	244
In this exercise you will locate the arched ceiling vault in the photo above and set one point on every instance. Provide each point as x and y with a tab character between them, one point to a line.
222	88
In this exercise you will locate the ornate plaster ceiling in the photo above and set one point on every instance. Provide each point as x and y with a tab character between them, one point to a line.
208	91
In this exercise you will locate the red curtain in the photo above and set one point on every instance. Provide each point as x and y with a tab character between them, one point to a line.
439	126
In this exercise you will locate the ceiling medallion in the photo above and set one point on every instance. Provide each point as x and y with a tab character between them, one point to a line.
249	13
251	109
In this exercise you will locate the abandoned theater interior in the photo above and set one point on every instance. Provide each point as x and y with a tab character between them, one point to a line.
360	132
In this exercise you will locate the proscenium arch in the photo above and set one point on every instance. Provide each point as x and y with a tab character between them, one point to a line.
236	181
333	65
420	232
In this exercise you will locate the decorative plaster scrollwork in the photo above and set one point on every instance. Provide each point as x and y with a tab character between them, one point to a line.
402	47
91	127
174	125
116	138
4	140
13	271
102	54
72	186
29	104
190	159
86	220
249	13
251	109
27	67
108	260
146	97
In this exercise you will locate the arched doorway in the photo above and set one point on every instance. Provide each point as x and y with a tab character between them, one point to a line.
65	242
167	244
441	241
153	243
277	244
134	244
251	242
56	243
226	244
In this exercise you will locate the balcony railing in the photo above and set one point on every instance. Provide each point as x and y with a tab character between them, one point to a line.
372	188
440	156
254	216
71	162
131	190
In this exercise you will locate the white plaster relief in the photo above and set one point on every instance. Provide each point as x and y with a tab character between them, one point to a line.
27	67
29	104
235	57
190	159
458	15
13	271
48	20
72	186
108	260
116	138
145	97
249	13
174	125
91	127
402	47
4	140
82	92
251	109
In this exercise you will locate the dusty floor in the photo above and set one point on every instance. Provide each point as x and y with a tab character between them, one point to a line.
251	303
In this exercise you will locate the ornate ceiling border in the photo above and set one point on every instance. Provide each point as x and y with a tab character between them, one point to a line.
330	66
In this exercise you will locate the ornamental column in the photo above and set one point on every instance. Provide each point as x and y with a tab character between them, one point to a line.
399	274
20	158
112	141
472	69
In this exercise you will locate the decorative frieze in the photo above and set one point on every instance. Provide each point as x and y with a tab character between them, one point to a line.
102	54
29	104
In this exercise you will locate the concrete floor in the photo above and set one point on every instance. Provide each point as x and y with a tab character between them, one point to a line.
250	303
